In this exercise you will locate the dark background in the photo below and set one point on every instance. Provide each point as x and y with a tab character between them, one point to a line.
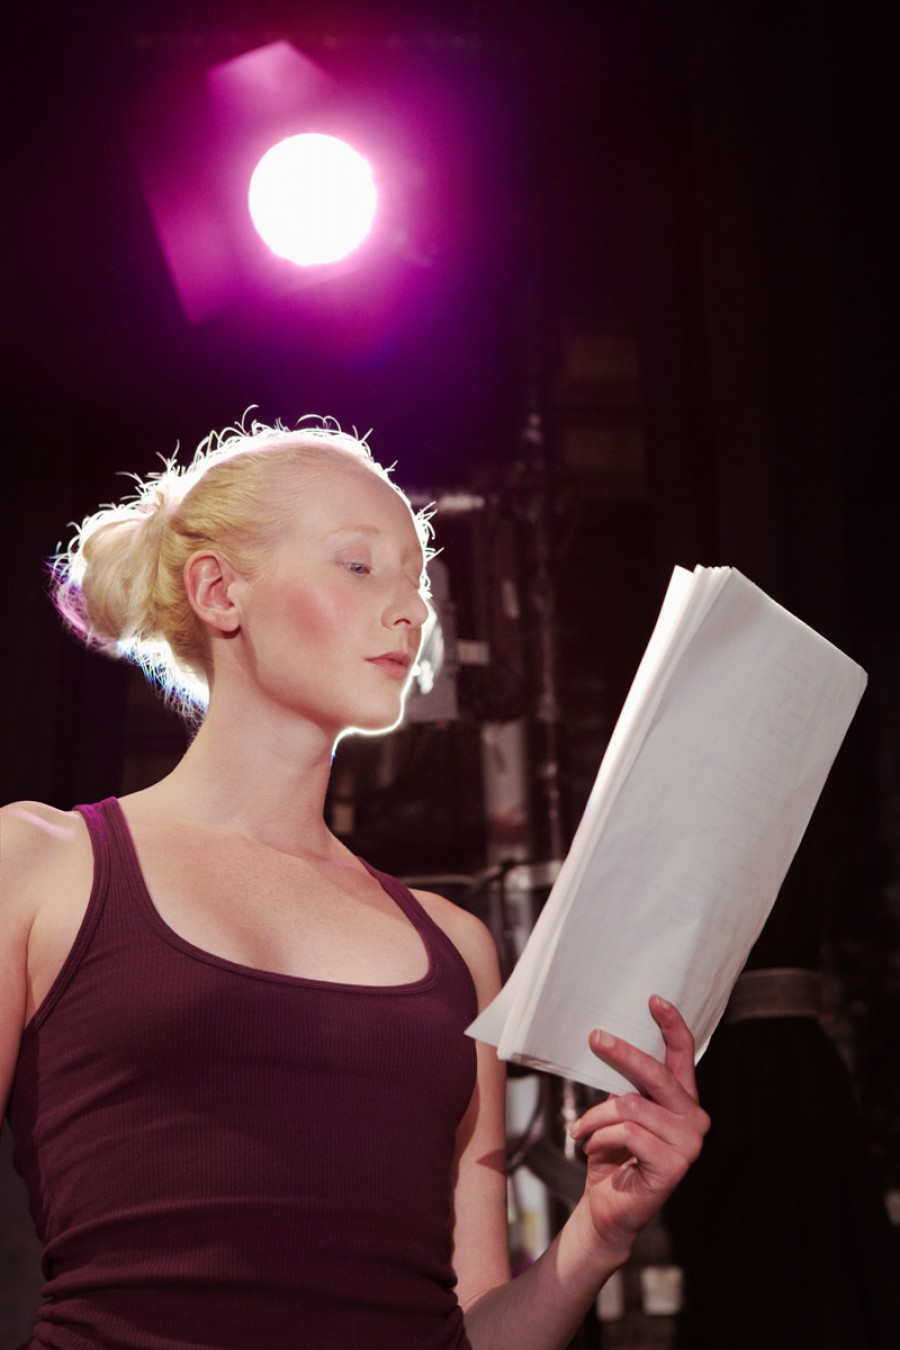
710	187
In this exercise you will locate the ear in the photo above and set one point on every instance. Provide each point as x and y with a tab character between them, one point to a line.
209	580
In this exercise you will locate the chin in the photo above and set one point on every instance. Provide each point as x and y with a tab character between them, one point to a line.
374	727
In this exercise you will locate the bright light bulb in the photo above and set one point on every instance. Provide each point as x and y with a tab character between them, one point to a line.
312	199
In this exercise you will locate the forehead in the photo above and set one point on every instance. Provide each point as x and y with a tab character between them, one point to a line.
350	498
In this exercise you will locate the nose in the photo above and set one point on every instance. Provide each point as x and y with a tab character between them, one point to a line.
408	608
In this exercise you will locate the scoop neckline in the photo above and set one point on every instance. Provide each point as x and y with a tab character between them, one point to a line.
403	898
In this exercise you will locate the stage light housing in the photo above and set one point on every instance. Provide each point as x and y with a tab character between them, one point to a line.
202	147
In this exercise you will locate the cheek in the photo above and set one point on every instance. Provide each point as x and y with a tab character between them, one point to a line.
315	616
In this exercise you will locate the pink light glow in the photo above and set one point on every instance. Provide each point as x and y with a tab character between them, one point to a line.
312	199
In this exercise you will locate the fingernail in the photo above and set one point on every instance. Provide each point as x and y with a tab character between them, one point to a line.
604	1040
662	1003
573	1128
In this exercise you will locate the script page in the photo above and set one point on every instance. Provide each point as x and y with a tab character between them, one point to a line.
676	864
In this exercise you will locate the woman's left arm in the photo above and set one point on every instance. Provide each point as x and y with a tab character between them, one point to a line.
637	1146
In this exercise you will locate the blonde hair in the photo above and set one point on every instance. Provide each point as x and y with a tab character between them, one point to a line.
119	585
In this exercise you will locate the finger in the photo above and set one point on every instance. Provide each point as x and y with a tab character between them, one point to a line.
627	1142
680	1050
643	1071
682	1132
632	1160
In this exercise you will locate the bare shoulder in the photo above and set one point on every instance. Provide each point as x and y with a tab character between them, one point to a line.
36	821
46	867
471	937
41	849
39	846
32	832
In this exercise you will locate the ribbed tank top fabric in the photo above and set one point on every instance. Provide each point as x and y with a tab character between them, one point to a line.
227	1158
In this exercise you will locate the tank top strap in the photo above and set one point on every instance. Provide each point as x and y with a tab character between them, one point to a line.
436	940
101	819
95	818
111	837
115	860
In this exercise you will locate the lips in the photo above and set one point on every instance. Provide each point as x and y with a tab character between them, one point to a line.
395	664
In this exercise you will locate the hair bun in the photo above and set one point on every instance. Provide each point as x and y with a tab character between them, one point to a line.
104	582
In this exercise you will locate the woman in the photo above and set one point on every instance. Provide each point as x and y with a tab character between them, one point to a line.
240	1089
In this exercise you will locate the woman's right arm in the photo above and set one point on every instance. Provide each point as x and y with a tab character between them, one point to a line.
44	865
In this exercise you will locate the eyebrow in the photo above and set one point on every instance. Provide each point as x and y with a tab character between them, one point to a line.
354	529
371	531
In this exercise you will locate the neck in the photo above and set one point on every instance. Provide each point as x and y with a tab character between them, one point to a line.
262	776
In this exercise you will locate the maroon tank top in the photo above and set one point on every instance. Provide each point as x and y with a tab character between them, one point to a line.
222	1157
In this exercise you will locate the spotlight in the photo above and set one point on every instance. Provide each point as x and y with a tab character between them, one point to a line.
312	199
317	210
260	117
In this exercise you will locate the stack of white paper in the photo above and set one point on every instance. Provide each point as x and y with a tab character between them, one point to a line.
707	785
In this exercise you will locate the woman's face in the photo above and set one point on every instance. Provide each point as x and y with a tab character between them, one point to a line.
331	627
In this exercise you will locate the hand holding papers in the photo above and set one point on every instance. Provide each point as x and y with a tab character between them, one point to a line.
711	775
